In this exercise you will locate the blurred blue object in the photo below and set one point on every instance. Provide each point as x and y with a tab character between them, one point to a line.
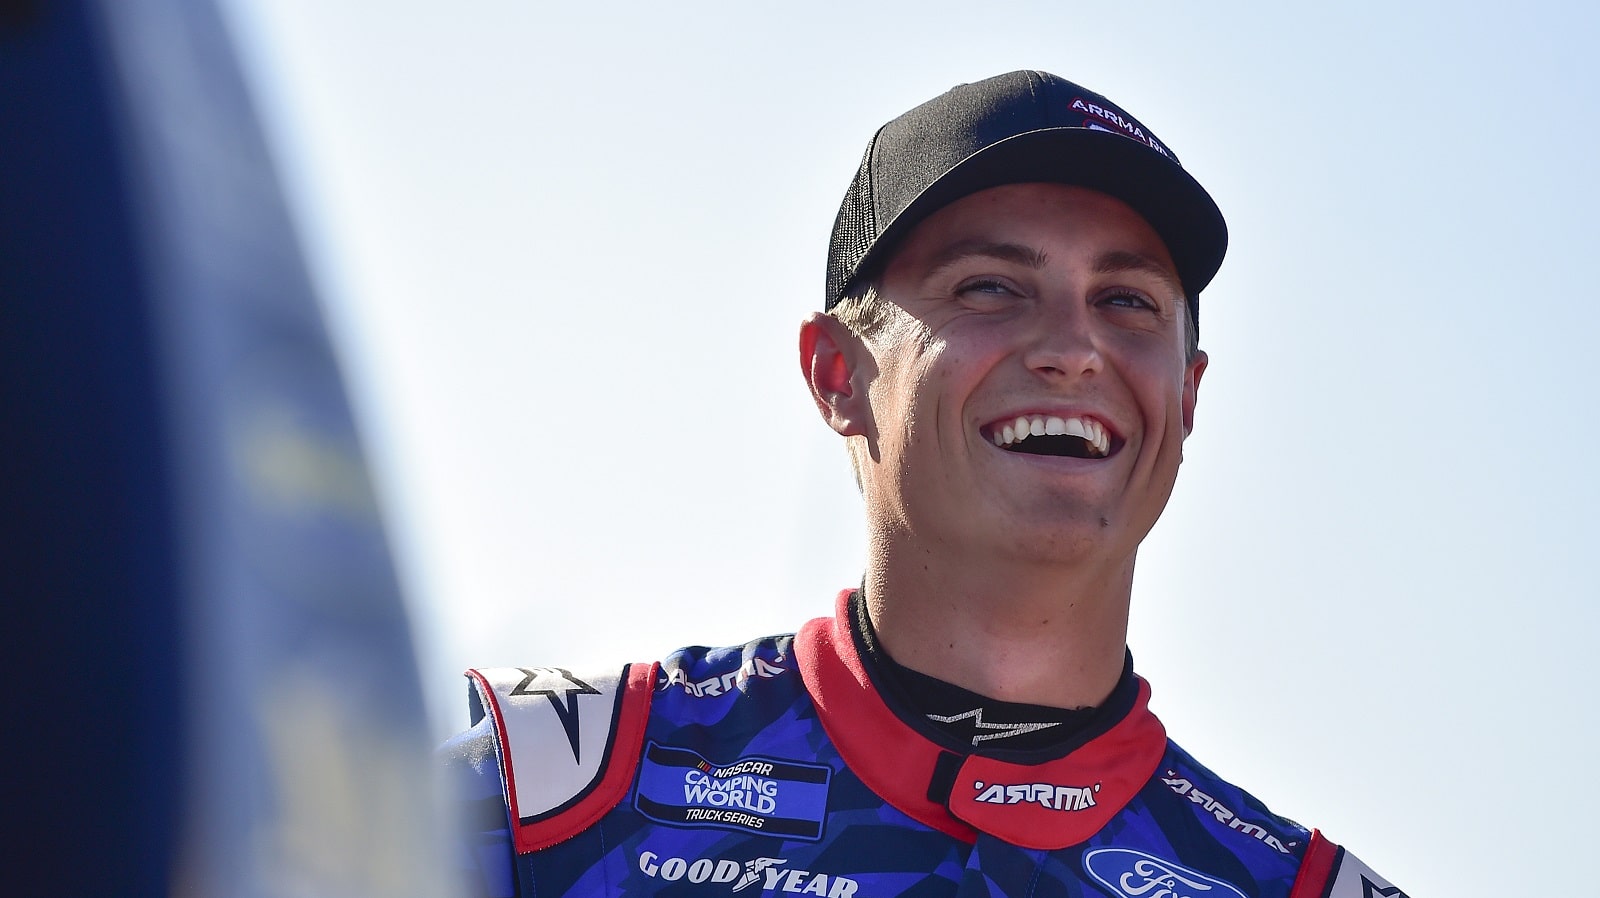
212	676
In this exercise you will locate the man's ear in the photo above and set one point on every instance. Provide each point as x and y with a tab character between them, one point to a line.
837	368
1191	388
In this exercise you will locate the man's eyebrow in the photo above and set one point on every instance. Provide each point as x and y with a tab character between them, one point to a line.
1028	256
1117	261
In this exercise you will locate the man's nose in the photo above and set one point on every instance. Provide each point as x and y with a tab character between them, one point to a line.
1062	341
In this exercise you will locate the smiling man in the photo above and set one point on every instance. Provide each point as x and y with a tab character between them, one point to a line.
1009	348
1017	412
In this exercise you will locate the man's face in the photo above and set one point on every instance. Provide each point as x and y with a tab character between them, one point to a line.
1037	309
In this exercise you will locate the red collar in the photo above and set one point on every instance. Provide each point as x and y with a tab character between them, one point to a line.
1049	805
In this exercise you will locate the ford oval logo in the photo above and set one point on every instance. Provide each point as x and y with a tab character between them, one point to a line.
1133	874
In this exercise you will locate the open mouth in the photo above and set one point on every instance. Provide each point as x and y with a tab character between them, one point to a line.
1075	437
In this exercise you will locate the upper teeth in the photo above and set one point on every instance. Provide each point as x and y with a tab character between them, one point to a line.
1090	430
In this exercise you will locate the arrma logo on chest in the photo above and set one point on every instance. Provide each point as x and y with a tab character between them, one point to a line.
771	874
1050	795
1228	818
723	684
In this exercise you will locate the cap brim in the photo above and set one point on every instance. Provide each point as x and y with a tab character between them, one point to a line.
1165	195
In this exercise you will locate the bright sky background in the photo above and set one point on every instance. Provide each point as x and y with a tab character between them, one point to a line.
564	248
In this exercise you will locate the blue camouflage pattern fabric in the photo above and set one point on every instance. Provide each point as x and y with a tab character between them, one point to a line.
775	768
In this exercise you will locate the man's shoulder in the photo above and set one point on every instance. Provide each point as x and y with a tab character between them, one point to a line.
583	731
1349	877
564	742
702	673
1227	811
1225	808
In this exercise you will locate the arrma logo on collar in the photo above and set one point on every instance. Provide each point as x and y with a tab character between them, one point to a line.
1050	795
1126	873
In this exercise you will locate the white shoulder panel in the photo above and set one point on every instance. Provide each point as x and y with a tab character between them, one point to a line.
555	729
1353	879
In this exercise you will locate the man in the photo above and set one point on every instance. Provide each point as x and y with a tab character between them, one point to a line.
1009	349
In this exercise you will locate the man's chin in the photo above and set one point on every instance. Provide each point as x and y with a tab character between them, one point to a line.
1091	536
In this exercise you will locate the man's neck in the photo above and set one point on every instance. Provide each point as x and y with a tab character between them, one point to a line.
1043	634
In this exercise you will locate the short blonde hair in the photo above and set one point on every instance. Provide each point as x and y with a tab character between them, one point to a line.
861	309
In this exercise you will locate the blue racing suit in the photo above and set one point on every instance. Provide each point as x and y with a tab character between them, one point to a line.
781	768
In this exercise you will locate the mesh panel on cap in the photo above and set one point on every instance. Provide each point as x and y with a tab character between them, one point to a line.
854	231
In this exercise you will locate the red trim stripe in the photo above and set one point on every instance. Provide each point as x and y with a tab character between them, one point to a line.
491	700
1316	868
860	725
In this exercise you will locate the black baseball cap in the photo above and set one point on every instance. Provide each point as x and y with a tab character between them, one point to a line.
1016	128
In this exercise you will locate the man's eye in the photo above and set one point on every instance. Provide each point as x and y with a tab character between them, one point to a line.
986	286
1131	299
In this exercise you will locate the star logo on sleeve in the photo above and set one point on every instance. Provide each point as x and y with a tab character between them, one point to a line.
1370	889
562	689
